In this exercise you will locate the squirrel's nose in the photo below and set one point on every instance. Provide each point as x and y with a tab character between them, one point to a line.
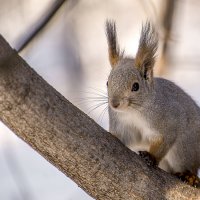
115	103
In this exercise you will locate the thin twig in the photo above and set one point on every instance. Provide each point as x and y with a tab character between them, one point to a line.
52	11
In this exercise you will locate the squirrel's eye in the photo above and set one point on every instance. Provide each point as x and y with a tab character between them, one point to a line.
107	83
135	87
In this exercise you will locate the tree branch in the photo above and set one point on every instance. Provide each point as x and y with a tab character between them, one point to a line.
98	162
47	17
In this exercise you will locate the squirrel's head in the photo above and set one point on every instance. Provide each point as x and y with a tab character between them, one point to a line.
131	79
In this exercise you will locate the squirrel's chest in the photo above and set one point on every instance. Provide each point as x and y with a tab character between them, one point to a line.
137	121
135	130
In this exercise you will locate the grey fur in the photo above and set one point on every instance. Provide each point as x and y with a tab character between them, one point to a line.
158	111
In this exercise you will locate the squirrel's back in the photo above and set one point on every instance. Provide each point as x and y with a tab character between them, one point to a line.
177	116
172	97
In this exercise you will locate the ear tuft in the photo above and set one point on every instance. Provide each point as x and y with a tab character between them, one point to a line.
113	46
148	44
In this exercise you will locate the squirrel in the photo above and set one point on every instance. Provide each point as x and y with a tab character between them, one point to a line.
151	114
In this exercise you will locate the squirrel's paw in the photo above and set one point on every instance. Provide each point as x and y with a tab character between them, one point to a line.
149	159
189	178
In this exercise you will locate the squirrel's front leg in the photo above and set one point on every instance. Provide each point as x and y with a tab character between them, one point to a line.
148	158
156	152
157	147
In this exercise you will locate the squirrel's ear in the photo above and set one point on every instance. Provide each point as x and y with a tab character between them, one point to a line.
113	46
145	57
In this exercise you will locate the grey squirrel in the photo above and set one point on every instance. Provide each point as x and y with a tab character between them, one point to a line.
151	114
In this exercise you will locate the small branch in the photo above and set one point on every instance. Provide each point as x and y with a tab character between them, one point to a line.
53	10
167	19
97	161
167	23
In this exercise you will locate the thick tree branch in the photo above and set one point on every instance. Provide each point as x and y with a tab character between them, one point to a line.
74	143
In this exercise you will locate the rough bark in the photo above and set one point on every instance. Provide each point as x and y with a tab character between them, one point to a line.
98	162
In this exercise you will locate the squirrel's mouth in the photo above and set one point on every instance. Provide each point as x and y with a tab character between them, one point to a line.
118	104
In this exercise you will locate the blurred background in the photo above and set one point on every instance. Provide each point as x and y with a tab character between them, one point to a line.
64	41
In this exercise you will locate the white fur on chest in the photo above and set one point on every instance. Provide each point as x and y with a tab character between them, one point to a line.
136	120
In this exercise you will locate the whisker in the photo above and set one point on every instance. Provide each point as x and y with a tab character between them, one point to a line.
96	106
99	90
96	93
82	103
92	105
85	102
139	105
104	111
93	98
98	119
93	93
